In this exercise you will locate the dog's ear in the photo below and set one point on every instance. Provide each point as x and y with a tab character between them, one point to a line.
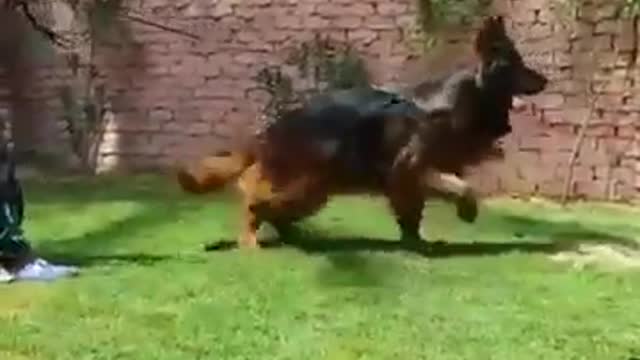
491	31
498	22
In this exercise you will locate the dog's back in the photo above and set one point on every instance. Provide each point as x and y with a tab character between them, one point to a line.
342	131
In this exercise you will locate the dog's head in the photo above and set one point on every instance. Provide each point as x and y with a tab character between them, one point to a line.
501	60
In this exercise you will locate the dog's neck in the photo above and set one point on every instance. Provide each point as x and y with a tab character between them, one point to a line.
495	100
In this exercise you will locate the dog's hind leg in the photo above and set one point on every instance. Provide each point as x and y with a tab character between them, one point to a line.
251	225
301	199
451	185
257	192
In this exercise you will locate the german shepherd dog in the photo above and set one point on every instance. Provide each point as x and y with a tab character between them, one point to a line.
366	140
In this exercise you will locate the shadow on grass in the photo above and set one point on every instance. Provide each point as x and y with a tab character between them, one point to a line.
349	265
105	188
317	244
548	237
96	247
568	233
85	260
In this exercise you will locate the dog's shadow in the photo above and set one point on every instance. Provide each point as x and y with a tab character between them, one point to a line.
559	239
435	249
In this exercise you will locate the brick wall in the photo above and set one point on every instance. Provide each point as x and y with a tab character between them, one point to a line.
173	97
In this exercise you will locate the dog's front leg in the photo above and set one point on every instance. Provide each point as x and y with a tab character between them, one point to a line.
407	203
451	185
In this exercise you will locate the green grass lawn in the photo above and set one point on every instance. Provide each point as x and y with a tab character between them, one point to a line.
148	291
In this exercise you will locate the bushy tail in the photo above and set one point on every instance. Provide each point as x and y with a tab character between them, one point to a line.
211	173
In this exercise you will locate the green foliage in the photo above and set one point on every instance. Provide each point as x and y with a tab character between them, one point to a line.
324	63
104	21
631	8
330	64
439	15
81	114
572	8
278	86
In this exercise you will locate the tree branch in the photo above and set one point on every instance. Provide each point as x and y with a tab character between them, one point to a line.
144	21
54	37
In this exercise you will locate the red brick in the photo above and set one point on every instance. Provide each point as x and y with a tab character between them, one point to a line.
623	174
551	188
606	101
363	36
332	10
316	22
602	43
197	128
358	8
560	74
533	4
539	31
264	20
347	22
562	59
243	11
277	36
600	130
307	9
620	146
160	115
582	43
549	101
218	90
380	23
606	11
527	125
607	27
222	9
158	70
613	86
630	102
405	21
248	58
392	8
289	22
530	143
625	41
577	101
512	183
567	87
557	142
591	189
627	131
249	36
522	14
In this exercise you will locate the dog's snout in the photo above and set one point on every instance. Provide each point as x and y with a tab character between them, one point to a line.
530	82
